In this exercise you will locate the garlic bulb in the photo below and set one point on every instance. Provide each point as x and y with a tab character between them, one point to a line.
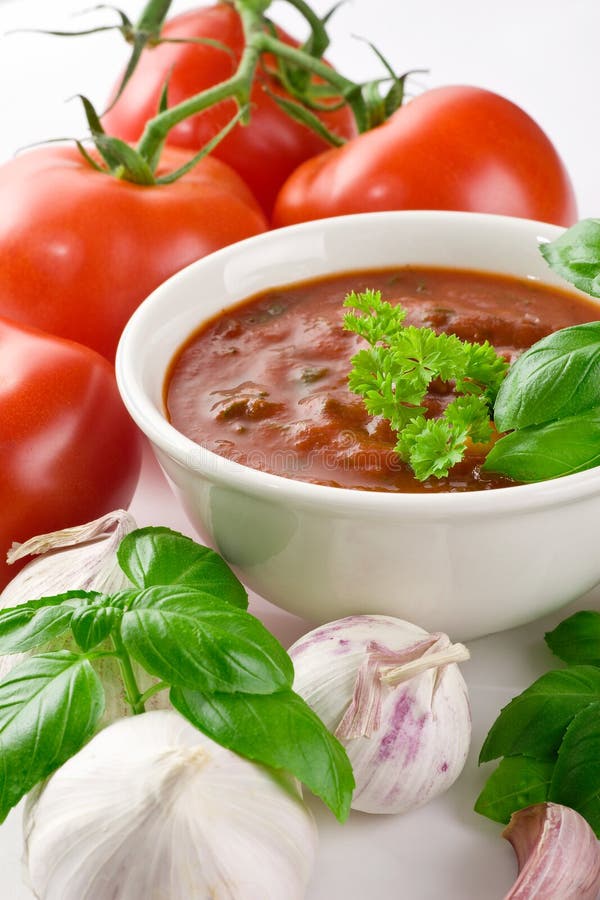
79	558
151	809
394	696
83	557
557	853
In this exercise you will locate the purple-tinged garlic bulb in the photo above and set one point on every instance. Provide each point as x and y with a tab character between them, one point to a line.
394	696
557	853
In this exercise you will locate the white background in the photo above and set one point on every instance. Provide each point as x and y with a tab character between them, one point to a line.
542	54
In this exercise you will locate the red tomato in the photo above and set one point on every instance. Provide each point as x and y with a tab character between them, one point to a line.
264	152
80	250
460	148
68	450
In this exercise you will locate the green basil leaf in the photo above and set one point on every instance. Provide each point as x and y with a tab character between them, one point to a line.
37	622
557	377
155	556
92	624
534	723
189	638
519	781
576	777
548	451
576	255
577	639
50	706
280	730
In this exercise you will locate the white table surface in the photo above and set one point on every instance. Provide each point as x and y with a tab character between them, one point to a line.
541	54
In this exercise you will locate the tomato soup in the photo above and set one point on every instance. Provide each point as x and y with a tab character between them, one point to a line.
265	383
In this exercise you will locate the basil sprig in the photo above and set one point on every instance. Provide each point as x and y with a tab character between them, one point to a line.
549	735
549	401
185	621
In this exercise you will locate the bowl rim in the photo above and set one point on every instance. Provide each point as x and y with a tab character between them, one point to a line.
227	472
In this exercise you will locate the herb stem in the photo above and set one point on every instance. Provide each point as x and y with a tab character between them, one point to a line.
155	689
132	691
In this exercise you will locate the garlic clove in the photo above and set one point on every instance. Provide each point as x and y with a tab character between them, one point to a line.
151	809
394	696
83	557
79	558
557	853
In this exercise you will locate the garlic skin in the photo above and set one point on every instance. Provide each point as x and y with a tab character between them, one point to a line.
557	853
79	558
394	696
152	809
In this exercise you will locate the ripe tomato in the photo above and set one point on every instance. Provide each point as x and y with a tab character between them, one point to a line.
459	148
80	250
68	450
264	152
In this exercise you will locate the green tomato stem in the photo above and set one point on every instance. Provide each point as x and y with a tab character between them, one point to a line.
269	44
320	37
348	89
132	691
237	88
152	18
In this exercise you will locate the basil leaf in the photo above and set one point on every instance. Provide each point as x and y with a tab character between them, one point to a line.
37	622
280	730
577	639
519	781
557	377
92	624
49	706
576	778
189	638
158	556
548	451
534	723
576	255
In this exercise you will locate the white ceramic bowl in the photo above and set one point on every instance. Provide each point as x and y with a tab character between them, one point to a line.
467	563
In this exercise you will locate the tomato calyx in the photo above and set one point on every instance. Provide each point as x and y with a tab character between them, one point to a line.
120	160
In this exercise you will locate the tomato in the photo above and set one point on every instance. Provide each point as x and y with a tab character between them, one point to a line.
459	148
264	152
68	450
80	249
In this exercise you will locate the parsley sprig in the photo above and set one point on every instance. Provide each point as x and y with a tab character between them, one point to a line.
393	376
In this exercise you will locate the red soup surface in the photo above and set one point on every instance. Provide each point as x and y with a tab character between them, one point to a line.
265	383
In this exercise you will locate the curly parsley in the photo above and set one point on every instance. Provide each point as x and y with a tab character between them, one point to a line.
394	374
